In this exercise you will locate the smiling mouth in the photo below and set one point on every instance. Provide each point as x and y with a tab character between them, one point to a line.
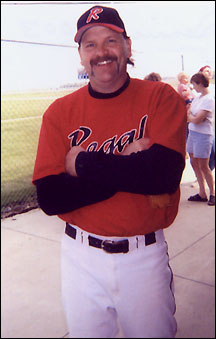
105	62
102	61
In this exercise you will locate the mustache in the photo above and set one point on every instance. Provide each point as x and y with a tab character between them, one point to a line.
102	59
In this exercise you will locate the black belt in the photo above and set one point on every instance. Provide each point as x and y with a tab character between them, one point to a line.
110	246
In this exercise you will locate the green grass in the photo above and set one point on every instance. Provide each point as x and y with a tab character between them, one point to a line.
29	104
20	127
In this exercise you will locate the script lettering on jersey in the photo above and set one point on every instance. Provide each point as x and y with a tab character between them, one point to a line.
81	135
86	132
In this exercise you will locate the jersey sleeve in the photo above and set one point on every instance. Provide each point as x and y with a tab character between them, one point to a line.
168	122
57	191
51	150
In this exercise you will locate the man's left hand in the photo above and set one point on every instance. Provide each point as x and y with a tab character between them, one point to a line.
70	160
136	146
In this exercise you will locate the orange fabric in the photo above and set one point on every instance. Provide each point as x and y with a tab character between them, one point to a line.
144	108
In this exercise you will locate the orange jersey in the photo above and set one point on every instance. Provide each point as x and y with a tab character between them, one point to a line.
144	109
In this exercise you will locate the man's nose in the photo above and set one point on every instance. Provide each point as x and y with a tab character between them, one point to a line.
102	50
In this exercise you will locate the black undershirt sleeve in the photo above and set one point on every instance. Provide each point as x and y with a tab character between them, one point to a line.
62	193
157	170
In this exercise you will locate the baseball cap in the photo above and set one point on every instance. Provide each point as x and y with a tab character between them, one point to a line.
204	67
102	16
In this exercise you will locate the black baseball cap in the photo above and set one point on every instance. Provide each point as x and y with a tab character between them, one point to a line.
100	16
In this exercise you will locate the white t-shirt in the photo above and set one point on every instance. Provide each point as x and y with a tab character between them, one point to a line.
206	103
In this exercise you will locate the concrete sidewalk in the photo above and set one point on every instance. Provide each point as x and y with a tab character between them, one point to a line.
31	296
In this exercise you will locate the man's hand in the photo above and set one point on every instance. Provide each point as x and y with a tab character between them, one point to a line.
159	200
136	146
70	160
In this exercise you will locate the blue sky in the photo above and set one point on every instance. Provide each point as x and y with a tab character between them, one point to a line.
161	31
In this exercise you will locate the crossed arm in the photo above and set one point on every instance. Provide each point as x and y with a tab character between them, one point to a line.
92	177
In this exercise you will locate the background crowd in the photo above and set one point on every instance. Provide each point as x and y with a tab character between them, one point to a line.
199	96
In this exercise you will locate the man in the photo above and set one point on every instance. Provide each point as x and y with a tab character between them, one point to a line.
109	163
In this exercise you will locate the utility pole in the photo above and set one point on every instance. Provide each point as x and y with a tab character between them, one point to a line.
182	62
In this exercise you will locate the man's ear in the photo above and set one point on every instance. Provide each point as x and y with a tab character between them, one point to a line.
80	55
128	46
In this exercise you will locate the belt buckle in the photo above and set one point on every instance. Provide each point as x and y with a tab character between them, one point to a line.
105	245
111	246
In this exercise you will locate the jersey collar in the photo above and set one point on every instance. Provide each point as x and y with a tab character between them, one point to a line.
98	95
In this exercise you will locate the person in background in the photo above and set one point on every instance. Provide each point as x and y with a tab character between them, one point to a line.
200	138
184	88
153	77
104	151
207	71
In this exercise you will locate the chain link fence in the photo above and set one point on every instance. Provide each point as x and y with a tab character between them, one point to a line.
20	127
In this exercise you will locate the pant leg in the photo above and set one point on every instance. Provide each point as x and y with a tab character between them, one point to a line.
88	308
146	303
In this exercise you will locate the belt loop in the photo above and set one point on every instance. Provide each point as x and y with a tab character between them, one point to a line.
150	238
71	231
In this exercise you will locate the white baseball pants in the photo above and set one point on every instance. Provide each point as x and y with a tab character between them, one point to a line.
135	287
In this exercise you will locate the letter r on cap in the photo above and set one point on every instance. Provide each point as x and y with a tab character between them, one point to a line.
94	14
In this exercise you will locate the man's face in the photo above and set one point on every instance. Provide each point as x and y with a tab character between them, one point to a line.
104	53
